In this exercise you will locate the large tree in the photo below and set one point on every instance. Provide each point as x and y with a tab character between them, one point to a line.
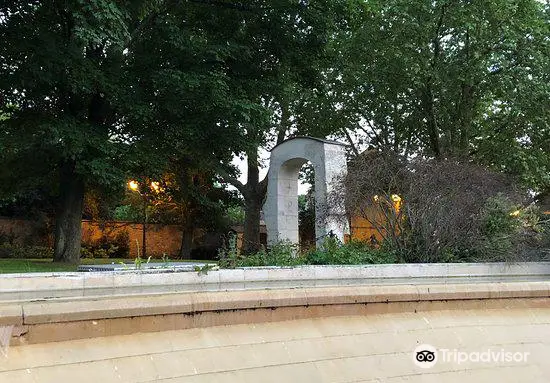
447	78
92	89
288	54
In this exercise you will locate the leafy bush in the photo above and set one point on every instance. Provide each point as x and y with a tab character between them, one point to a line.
498	231
122	242
228	254
449	210
117	246
8	250
98	252
352	253
287	254
128	213
235	214
281	254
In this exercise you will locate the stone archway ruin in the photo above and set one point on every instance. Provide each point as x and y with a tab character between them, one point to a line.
281	206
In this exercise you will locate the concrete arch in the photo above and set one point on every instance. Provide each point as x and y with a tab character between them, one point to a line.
281	206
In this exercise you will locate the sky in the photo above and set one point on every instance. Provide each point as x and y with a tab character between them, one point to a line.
264	159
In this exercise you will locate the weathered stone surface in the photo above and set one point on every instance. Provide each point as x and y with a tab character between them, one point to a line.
281	207
360	347
25	287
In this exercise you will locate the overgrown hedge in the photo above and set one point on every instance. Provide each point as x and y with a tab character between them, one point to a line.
286	254
10	250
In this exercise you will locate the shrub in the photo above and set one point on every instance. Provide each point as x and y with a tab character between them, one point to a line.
282	254
287	254
117	246
449	210
352	253
8	250
228	254
235	214
98	252
122	243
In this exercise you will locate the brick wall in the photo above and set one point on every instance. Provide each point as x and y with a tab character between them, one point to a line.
160	239
24	232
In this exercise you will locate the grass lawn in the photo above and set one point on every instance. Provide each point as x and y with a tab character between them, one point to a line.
10	265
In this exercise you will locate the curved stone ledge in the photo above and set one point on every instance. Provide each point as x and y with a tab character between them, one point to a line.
24	287
351	343
188	303
54	320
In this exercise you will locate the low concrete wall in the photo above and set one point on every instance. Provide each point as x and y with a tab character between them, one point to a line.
334	323
53	321
21	287
367	346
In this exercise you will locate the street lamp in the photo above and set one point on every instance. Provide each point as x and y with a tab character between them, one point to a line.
134	186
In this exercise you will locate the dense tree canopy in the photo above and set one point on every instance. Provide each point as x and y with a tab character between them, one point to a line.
93	92
447	78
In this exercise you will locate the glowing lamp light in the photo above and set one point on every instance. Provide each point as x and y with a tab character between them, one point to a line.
395	198
376	198
155	186
133	185
515	213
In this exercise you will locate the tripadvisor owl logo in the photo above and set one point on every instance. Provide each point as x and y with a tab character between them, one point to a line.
425	356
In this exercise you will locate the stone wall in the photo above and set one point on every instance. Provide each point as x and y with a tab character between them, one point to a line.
24	232
160	239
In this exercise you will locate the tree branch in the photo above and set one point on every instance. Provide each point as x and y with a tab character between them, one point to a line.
351	143
226	177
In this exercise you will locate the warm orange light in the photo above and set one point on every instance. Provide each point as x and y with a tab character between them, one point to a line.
133	185
395	198
515	213
155	186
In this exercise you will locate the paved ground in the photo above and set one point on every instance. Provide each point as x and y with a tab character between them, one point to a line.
371	348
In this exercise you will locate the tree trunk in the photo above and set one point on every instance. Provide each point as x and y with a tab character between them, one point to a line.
186	243
254	193
251	235
431	120
68	229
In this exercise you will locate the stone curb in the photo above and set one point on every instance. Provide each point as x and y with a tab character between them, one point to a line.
33	313
24	287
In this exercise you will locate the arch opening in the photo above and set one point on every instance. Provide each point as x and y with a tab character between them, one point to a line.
281	207
306	207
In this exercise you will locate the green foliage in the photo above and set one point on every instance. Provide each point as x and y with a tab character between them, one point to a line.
9	250
235	214
204	269
129	213
98	252
511	232
228	254
306	218
498	217
108	246
352	253
287	254
138	262
281	254
446	78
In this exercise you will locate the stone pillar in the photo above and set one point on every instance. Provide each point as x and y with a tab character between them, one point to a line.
281	205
